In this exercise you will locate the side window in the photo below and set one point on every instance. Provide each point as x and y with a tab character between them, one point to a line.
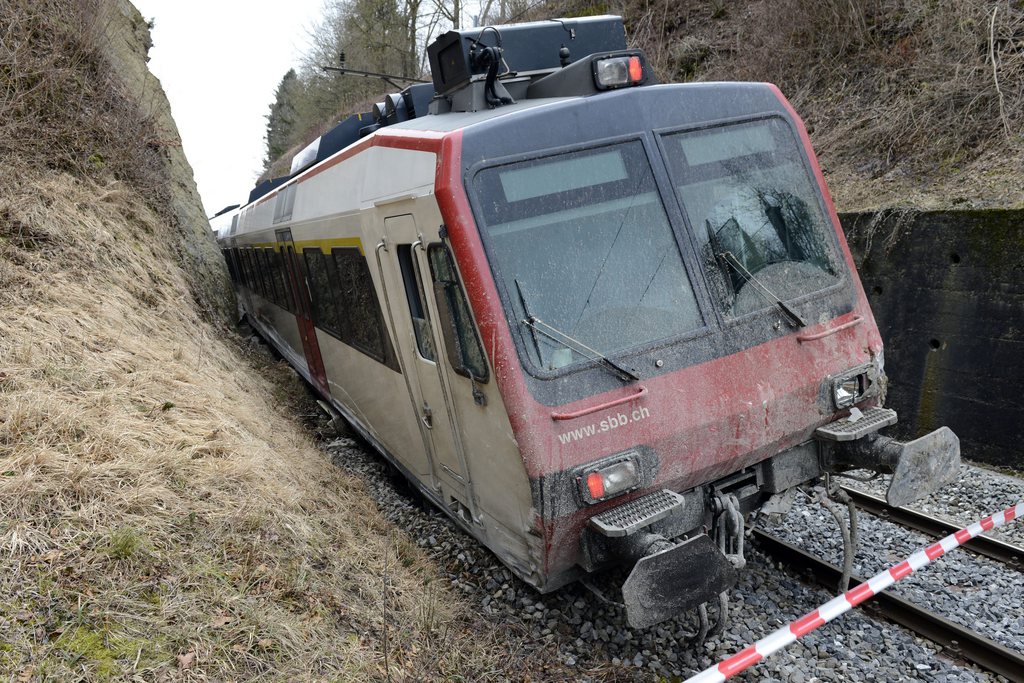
414	296
267	262
267	266
236	264
465	352
261	282
280	280
268	282
246	267
358	300
326	314
257	281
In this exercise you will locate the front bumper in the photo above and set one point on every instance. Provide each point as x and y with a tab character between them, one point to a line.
670	577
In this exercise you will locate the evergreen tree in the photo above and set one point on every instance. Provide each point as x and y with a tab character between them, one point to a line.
281	128
385	36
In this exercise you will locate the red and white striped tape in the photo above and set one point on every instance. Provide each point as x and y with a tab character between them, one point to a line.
843	603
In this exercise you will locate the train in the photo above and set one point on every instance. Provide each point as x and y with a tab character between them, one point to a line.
597	319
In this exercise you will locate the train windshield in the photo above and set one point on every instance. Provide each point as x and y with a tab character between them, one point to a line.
583	246
759	226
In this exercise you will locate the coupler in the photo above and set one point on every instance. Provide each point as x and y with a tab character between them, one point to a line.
669	576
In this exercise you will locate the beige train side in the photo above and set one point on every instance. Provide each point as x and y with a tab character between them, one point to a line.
464	458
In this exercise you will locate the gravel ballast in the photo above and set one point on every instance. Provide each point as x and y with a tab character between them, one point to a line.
593	637
976	493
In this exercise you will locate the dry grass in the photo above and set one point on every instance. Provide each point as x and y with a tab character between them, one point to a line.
899	80
161	514
61	105
76	97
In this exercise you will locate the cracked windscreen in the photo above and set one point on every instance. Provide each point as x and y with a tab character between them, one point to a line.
583	247
759	227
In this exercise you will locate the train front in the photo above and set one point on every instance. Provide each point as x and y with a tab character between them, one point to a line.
676	326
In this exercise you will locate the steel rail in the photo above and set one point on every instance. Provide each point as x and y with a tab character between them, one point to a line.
956	639
932	526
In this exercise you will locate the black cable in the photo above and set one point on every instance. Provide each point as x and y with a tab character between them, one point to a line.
489	28
490	57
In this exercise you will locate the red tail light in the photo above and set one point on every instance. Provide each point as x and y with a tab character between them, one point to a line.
636	70
609	481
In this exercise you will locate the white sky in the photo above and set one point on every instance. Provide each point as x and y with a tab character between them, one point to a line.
219	62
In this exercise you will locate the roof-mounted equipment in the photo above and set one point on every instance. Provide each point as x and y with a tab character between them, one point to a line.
466	65
593	74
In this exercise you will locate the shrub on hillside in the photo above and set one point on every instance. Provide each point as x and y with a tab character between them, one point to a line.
61	105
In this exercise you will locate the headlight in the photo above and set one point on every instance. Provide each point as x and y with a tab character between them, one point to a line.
608	481
618	72
849	389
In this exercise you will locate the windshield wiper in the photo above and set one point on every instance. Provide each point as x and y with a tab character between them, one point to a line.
535	323
792	316
526	310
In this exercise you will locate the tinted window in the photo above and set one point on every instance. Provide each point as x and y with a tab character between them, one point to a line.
756	213
469	356
261	274
267	265
582	244
281	283
247	268
256	283
296	280
236	255
420	326
274	270
359	303
265	276
227	260
326	313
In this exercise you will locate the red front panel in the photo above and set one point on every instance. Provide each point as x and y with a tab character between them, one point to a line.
704	422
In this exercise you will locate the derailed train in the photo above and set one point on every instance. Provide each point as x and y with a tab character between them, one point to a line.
596	319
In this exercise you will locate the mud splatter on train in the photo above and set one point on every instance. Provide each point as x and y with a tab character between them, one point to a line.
596	319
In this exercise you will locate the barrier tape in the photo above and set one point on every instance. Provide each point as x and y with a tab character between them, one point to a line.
841	604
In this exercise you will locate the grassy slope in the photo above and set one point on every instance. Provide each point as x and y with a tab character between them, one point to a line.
163	516
160	510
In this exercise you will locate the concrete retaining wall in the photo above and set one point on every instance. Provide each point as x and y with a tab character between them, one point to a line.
947	289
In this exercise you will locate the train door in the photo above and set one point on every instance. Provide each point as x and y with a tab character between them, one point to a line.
299	285
423	357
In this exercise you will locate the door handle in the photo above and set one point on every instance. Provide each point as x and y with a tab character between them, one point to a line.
428	416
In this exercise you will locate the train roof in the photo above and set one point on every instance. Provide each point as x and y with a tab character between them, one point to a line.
469	94
705	101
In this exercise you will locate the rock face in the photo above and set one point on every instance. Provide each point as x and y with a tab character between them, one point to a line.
126	46
947	290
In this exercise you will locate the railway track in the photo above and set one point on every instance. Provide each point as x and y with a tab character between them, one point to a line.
958	640
938	528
